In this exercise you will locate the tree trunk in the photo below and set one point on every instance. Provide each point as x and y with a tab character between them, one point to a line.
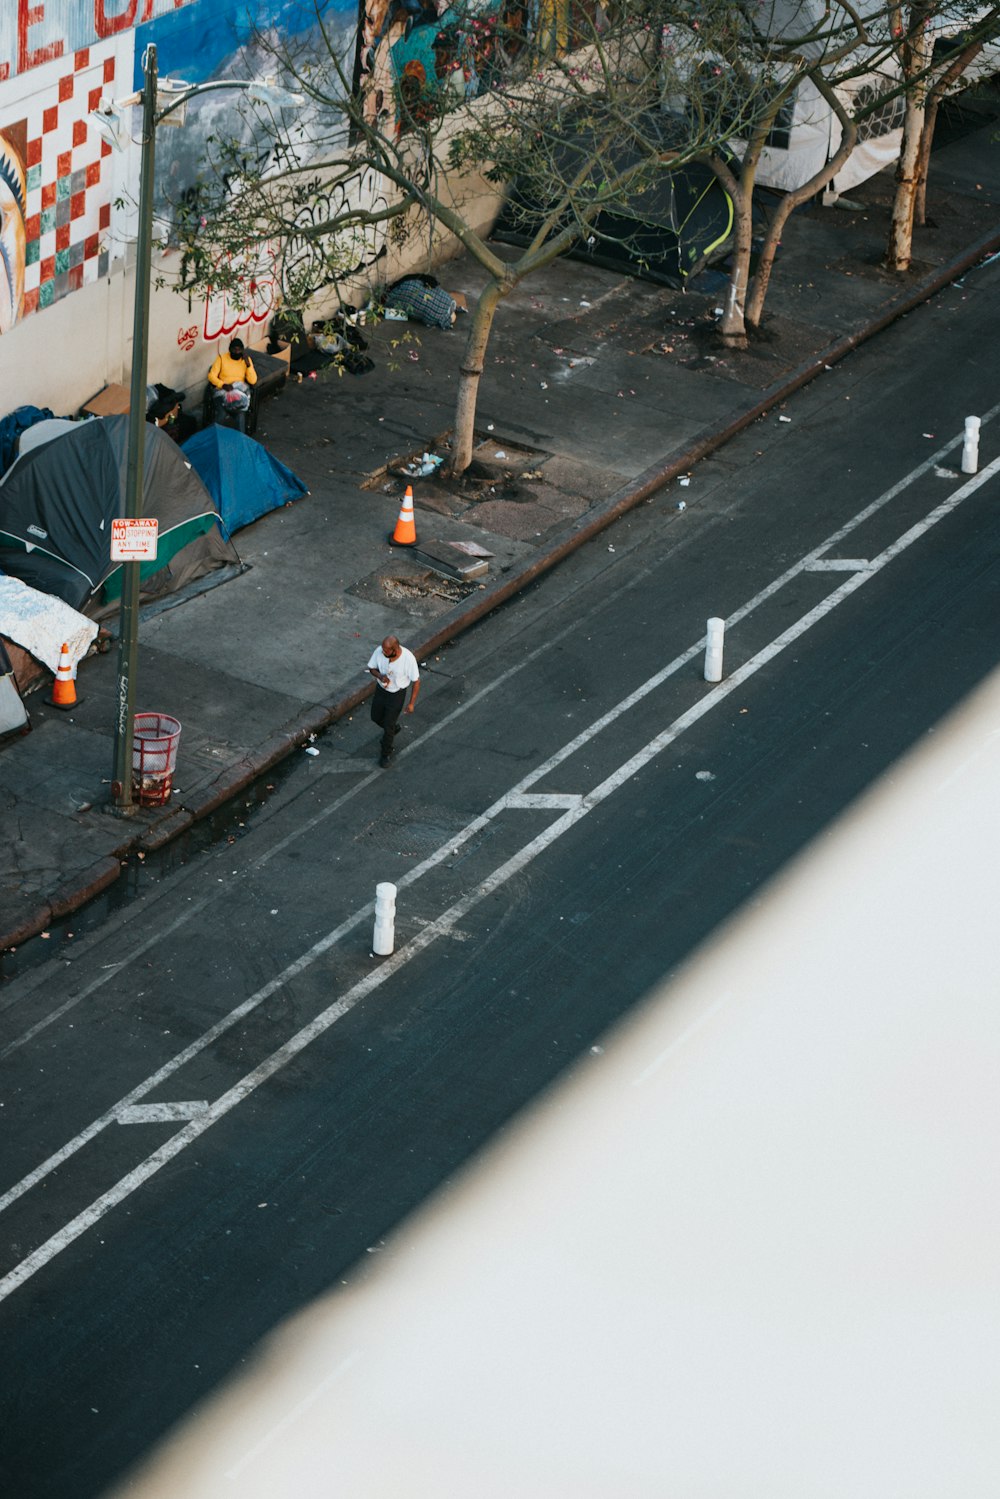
791	201
951	75
732	324
917	58
924	160
470	374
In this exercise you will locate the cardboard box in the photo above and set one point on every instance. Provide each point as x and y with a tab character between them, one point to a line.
111	401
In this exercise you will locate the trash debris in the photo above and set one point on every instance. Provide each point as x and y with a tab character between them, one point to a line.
500	453
420	468
489	426
685	481
681	505
610	549
784	418
311	750
544	384
704	775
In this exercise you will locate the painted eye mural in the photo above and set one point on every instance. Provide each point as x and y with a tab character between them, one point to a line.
13	199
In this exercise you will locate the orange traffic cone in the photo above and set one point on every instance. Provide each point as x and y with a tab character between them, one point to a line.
64	687
405	534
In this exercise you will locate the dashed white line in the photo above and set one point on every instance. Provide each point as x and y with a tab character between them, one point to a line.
445	924
161	1113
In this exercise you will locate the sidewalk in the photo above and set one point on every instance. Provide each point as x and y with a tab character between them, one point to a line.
599	390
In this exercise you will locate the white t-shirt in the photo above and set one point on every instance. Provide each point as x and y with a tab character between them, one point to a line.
401	672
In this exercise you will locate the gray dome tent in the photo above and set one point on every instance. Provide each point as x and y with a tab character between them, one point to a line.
57	503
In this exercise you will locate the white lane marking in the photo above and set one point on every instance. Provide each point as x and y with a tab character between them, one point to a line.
197	1046
279	1429
837	565
112	971
32	981
804	564
161	1113
545	800
478	824
444	924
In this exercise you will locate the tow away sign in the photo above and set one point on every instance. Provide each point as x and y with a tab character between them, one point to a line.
134	540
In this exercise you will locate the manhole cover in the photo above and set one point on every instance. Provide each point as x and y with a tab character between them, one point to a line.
413	830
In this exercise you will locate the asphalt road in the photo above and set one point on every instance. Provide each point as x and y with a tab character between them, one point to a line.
223	1102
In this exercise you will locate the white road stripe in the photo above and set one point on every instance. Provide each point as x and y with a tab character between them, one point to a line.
161	1113
545	800
838	565
804	564
443	925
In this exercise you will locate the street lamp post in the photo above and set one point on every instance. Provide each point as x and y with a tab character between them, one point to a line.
108	120
128	630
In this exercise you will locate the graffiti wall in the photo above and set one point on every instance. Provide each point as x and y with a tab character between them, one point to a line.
59	228
57	58
55	195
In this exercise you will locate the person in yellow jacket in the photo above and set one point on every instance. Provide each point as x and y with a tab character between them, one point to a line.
232	375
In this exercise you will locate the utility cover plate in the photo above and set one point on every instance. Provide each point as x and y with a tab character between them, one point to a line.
443	559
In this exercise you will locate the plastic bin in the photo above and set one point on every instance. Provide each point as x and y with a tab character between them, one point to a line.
155	737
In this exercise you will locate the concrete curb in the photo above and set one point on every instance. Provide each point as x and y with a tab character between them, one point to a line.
177	820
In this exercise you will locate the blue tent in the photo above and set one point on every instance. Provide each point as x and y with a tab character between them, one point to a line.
243	479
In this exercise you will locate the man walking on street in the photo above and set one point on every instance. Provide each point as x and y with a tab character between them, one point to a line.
394	669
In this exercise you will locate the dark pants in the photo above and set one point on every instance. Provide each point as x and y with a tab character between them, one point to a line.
386	708
227	418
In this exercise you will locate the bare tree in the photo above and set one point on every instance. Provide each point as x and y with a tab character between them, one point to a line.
574	113
773	51
915	30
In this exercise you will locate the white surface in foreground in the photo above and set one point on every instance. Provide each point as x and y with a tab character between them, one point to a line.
751	1250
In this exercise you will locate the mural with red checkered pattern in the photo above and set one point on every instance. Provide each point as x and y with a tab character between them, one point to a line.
55	179
65	211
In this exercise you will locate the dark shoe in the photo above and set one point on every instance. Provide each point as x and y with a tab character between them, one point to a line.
385	762
397	728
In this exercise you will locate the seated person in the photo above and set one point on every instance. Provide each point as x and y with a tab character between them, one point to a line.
232	375
165	413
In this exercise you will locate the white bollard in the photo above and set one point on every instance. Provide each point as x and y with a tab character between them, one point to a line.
385	920
713	650
970	446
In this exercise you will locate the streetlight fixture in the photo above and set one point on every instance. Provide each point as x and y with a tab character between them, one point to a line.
109	120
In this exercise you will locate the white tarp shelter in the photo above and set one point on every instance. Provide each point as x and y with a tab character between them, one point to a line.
807	133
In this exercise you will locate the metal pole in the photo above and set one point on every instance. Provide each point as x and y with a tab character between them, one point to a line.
128	637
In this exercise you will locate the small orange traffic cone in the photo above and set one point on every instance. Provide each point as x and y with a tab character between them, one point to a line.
64	687
405	534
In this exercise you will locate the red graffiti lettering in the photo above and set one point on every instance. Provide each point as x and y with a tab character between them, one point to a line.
27	57
106	25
